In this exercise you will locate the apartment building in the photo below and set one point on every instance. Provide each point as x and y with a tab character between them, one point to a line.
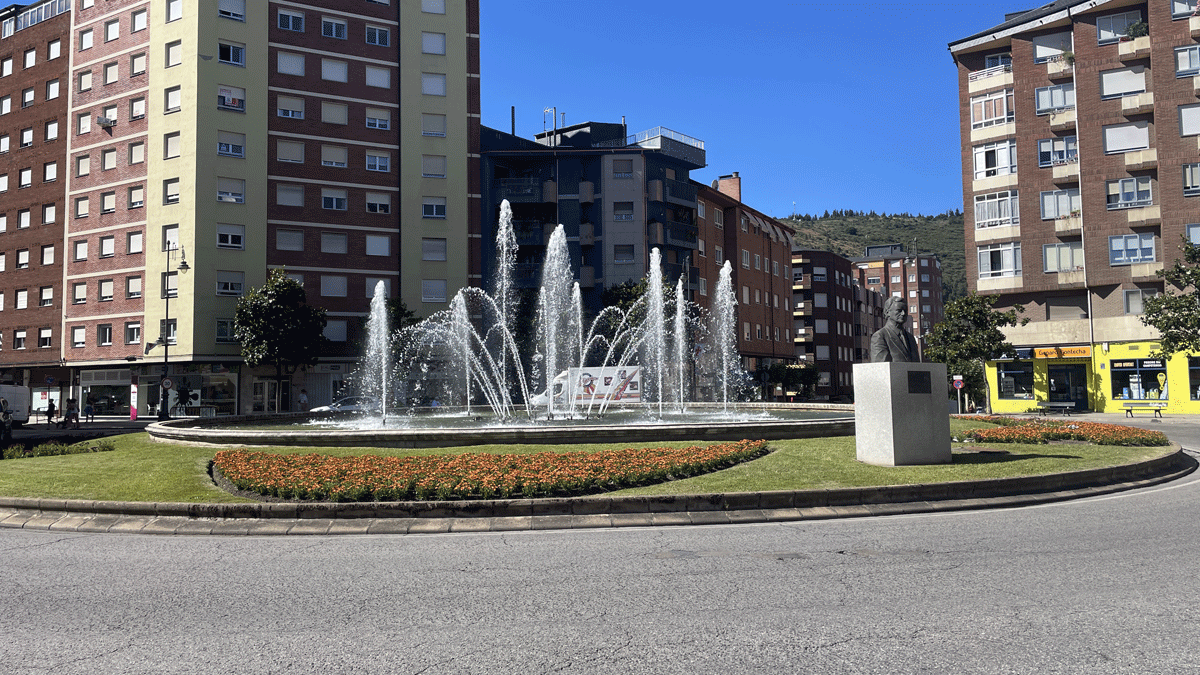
834	317
1079	126
179	150
916	277
758	249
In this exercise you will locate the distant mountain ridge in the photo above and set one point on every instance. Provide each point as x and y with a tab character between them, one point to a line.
848	232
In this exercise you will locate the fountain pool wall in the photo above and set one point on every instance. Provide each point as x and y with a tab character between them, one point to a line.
240	431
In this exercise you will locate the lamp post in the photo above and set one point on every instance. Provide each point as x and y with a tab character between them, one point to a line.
164	335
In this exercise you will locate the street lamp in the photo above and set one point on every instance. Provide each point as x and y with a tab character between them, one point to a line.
164	338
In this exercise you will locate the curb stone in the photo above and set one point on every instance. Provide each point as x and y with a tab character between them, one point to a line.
606	511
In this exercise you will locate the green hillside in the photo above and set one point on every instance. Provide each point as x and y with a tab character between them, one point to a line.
848	232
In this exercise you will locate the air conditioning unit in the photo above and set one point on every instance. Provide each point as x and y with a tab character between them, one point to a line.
106	122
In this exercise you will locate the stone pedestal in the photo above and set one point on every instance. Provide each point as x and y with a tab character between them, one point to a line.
900	413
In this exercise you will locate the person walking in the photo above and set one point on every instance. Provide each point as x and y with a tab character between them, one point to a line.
89	410
51	412
71	420
302	400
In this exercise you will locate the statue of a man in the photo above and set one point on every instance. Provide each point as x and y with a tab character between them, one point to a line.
893	342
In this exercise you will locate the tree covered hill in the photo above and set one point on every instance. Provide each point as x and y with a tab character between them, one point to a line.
848	232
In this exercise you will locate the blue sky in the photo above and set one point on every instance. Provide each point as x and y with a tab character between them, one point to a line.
829	105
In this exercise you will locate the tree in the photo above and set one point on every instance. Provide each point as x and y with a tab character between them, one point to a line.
277	327
801	379
399	315
1176	313
969	335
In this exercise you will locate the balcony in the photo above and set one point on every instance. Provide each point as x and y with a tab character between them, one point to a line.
1137	48
1063	120
996	76
1136	104
803	335
1058	68
994	132
1144	215
518	190
531	233
993	183
670	143
1145	271
801	260
802	283
997	232
587	192
587	234
672	273
680	234
1141	159
998	284
587	277
802	309
1072	224
1071	279
1194	26
1065	173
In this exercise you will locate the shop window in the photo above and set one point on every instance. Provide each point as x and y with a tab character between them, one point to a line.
1016	380
1139	379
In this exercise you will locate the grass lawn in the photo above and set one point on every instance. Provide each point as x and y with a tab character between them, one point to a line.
142	470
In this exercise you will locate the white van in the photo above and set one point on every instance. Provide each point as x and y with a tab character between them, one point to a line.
17	400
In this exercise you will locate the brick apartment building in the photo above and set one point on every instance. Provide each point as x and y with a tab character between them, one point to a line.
916	277
1080	177
237	136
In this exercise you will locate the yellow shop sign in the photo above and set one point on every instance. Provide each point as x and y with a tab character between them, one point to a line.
1062	352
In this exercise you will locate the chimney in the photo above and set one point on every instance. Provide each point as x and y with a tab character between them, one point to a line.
730	185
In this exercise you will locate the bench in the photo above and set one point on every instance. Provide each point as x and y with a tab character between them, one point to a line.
1064	407
1157	406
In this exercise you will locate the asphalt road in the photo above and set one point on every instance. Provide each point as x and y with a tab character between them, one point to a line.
1106	585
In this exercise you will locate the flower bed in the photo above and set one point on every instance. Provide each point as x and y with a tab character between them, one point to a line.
471	476
1014	430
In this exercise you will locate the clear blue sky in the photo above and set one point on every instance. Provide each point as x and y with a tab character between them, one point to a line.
831	105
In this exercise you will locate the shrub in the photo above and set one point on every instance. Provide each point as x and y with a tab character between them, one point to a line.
54	448
1013	430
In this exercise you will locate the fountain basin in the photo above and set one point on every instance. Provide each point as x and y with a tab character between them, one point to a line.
240	431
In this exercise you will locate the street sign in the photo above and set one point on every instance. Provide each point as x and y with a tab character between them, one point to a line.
956	377
958	384
167	383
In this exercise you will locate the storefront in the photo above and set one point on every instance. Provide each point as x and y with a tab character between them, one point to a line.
1138	379
200	388
1058	374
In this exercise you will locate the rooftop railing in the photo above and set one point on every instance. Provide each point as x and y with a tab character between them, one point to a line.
989	72
643	136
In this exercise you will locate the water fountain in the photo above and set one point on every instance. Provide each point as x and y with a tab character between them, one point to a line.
470	355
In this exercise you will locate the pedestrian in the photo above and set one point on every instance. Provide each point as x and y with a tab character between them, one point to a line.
89	410
302	400
71	420
51	411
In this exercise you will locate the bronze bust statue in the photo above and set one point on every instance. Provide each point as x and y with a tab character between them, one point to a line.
893	342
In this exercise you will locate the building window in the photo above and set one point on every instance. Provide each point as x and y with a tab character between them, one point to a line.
44	339
230	283
49	213
334	155
995	210
1016	379
433	290
333	70
1191	179
1113	27
1122	82
107	247
333	28
992	109
378	161
137	108
1054	151
289	240
231	236
433	84
138	21
288	63
231	190
1000	260
1054	98
1135	299
623	254
622	210
378	245
86	38
333	286
225	334
291	21
1137	378
174	54
1060	203
111	73
1120	138
137	64
433	207
79	294
995	159
433	249
1187	61
170	237
1062	257
335	113
81	207
378	77
26	137
53	49
231	98
334	243
174	10
379	36
287	106
133	287
381	118
380	202
289	195
46	296
133	333
170	146
718	255
433	43
133	242
232	9
1129	192
333	199
1193	234
171	191
433	166
105	288
1127	249
231	144
335	330
745	259
433	6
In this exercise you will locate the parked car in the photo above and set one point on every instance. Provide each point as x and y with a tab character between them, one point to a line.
351	404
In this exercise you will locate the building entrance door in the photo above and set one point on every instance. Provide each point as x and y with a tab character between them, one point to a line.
1068	382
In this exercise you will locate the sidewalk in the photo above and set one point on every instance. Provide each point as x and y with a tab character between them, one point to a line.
107	425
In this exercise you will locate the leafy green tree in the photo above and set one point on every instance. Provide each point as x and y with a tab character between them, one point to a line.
399	315
1176	313
277	327
801	379
970	335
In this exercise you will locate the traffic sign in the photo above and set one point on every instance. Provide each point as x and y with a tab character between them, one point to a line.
167	383
958	384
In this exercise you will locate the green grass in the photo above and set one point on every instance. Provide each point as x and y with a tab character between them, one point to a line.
142	470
